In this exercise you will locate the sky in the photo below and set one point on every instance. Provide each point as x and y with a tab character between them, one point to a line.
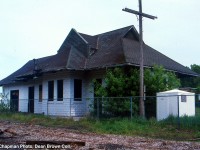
36	28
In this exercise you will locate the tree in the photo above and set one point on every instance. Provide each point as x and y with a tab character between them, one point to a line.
118	82
193	82
123	82
196	80
158	79
195	68
117	87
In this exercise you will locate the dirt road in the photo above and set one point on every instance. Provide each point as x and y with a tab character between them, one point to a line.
14	136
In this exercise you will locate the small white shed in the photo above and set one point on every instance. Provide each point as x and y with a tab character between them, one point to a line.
169	102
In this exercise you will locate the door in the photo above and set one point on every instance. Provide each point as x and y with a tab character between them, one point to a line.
14	100
31	99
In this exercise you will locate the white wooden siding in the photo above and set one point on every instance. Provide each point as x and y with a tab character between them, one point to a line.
67	107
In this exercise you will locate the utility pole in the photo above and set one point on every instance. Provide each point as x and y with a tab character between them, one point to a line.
141	15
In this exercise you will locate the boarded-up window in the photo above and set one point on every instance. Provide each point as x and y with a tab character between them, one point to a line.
77	89
60	90
50	90
40	93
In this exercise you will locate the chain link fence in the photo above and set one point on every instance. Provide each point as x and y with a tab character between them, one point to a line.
176	109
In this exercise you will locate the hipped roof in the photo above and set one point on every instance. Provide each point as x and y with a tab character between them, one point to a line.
85	52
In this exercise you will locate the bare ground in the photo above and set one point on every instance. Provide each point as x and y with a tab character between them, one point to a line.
18	133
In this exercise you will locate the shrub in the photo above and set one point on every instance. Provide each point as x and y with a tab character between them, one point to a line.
4	103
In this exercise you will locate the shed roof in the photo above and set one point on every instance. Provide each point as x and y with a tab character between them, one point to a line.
175	91
86	52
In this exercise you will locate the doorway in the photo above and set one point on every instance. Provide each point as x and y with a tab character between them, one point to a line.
14	100
31	99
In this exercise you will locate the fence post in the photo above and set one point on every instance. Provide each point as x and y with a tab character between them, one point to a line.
47	106
98	108
178	113
70	107
29	108
85	106
131	99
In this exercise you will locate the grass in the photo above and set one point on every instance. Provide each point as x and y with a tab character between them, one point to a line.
147	128
167	129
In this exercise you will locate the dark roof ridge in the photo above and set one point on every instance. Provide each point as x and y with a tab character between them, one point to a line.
92	40
115	30
86	42
132	28
86	34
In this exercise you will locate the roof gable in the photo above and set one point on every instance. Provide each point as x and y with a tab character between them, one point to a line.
132	34
76	40
76	59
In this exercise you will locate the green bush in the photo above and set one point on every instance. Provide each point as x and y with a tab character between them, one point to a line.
4	103
124	82
4	106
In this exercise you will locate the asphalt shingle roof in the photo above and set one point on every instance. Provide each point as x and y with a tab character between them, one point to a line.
85	52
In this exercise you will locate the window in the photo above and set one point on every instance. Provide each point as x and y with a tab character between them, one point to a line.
50	90
77	89
183	98
60	90
40	93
